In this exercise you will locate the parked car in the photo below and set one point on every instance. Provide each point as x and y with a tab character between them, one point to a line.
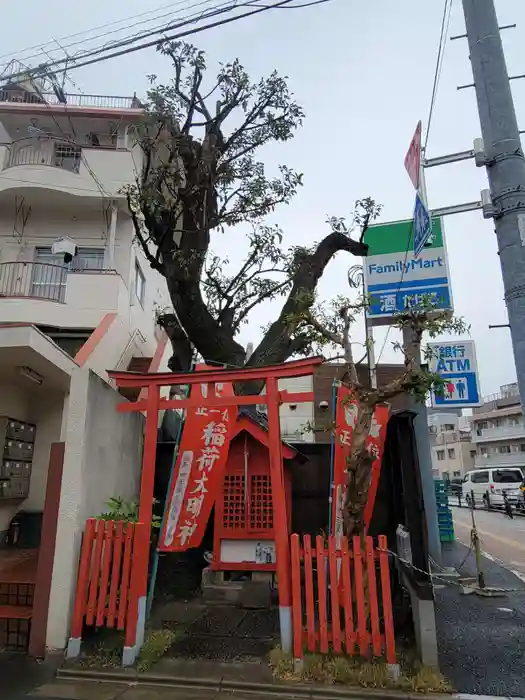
494	482
455	486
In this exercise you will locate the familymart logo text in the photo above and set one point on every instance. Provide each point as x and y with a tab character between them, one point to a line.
405	266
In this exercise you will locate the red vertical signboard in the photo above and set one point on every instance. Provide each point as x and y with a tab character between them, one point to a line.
345	421
199	470
413	157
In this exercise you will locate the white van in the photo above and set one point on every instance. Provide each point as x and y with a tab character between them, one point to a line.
494	481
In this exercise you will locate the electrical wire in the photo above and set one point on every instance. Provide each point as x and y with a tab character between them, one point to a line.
44	71
145	32
445	22
105	26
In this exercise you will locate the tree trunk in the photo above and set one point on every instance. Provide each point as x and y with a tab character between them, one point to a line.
359	468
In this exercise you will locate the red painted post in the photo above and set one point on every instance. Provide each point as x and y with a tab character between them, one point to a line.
109	535
360	595
322	591
309	593
138	587
390	643
372	593
95	573
115	574
83	579
334	595
126	573
297	607
347	597
280	519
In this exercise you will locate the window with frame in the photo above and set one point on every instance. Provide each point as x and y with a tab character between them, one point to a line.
504	450
451	453
440	455
481	477
140	283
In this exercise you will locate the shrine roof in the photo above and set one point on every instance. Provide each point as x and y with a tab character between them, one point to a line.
260	421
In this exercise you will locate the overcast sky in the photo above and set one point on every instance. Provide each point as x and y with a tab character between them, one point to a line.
363	72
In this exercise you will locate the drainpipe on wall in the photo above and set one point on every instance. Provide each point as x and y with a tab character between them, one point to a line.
110	250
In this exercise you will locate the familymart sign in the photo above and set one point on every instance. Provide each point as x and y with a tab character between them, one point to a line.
395	279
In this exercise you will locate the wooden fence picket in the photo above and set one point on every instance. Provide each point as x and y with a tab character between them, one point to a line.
347	603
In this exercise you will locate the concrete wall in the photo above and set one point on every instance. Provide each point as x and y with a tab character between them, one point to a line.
102	459
295	417
114	169
46	413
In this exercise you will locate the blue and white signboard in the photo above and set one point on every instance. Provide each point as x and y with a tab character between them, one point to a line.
422	226
455	362
397	280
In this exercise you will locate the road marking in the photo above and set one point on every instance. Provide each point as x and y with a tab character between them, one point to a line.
506	610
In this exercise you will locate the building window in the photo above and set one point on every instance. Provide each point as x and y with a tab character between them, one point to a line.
472	453
68	157
484	451
456	474
447	427
440	455
140	283
451	453
504	449
481	477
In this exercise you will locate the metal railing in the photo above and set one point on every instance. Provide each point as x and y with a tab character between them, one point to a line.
503	432
33	281
49	98
58	155
504	459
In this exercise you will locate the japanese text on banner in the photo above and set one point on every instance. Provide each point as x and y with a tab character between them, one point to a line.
199	470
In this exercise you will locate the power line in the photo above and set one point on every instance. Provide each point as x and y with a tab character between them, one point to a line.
188	19
97	28
138	35
447	8
445	21
44	71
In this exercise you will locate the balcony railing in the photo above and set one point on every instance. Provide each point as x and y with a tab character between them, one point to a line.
49	98
514	459
33	281
503	432
57	155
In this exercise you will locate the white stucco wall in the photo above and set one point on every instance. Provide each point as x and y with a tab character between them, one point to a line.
102	459
46	414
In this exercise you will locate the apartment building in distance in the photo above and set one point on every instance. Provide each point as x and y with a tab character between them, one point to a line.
450	444
498	431
66	319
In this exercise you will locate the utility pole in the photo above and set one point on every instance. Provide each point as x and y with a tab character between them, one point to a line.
504	162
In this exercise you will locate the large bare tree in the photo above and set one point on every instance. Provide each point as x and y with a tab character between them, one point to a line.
200	142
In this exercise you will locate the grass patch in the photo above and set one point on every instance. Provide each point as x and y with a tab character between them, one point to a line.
352	671
156	644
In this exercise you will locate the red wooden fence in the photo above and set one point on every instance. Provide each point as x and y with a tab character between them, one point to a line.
104	594
354	616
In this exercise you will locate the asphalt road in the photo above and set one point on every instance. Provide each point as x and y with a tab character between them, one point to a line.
501	538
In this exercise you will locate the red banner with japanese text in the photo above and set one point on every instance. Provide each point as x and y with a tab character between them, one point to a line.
346	414
199	469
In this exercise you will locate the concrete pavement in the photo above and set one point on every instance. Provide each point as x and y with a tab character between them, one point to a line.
502	538
481	641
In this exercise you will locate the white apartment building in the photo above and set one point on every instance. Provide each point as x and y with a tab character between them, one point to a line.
451	446
64	164
498	430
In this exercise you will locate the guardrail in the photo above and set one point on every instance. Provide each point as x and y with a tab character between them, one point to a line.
33	280
76	100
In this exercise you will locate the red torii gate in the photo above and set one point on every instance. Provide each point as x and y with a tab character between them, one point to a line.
151	405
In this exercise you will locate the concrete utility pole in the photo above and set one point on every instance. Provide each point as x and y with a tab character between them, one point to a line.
505	163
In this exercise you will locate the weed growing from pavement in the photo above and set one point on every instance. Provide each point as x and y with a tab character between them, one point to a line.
352	671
